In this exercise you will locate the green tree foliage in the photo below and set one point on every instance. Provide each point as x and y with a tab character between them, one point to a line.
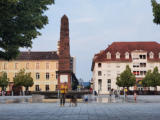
23	79
75	82
20	21
146	82
126	79
156	11
152	79
28	81
3	80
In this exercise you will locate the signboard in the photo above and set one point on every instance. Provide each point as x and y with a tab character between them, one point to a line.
63	78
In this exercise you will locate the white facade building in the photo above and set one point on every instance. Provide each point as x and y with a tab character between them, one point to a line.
110	63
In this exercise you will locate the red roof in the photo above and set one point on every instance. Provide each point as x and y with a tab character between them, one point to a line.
51	55
123	47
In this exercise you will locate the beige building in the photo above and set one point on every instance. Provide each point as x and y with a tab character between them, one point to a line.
111	62
43	67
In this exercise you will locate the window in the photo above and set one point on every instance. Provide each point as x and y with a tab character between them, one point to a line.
99	84
108	55
135	65
142	56
47	76
37	65
99	64
99	73
109	80
37	88
15	74
27	65
56	74
142	64
117	55
16	66
109	84
37	76
56	65
159	55
108	74
151	55
127	55
47	87
5	66
118	66
47	65
136	73
118	74
142	72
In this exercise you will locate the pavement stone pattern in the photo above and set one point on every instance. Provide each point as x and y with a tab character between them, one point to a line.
84	111
98	108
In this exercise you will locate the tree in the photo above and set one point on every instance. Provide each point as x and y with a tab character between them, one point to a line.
126	79
19	78
20	21
156	78
146	81
156	11
28	81
152	79
4	80
75	82
23	79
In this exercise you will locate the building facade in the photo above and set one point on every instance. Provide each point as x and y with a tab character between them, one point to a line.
46	68
111	62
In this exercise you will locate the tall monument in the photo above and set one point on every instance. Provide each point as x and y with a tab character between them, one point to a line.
64	76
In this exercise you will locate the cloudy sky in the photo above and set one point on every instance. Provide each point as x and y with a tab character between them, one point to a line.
94	24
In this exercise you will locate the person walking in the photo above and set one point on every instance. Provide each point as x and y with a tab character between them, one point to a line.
135	96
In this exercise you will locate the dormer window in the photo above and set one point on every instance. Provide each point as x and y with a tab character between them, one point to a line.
127	55
117	55
108	55
99	65
151	55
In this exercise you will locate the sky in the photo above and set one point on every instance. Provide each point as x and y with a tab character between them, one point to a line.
95	24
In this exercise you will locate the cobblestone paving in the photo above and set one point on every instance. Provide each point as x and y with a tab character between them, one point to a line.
90	111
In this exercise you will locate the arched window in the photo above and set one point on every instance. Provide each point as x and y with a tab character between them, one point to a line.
127	55
108	55
151	55
99	65
117	55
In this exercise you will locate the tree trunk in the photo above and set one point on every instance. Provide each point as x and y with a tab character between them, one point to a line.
26	90
155	90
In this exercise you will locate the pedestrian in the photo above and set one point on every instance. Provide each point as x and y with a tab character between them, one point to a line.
115	93
111	92
86	98
63	91
135	96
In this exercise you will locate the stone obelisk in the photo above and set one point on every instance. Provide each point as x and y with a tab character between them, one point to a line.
64	76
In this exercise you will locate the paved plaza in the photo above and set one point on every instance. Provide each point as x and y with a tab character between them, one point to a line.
149	110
